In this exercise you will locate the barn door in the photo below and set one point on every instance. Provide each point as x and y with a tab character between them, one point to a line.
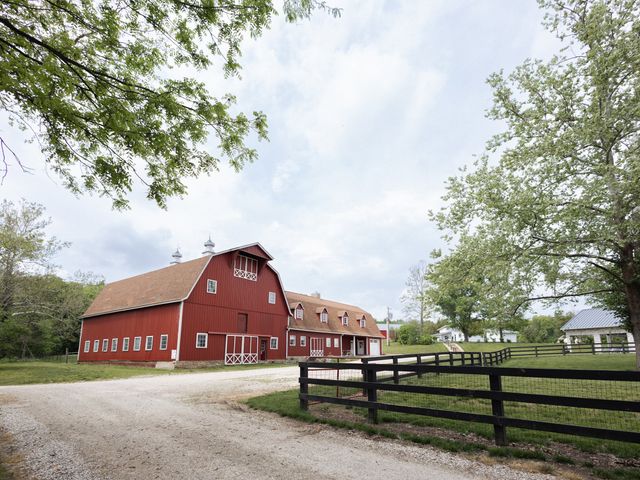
317	347
241	349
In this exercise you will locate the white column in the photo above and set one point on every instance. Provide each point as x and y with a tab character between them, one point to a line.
596	339
353	346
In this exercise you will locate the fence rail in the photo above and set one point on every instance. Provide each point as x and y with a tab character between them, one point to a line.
373	379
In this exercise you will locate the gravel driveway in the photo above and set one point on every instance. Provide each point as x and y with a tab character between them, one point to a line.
191	426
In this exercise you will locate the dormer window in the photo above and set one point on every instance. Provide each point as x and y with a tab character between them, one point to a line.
245	267
324	316
299	312
363	322
345	319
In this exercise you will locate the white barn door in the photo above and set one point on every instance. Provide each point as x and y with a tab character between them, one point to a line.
374	347
241	349
317	347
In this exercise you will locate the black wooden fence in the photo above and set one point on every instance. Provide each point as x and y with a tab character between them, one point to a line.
373	378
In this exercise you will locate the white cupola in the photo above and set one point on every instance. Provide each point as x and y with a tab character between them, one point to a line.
208	247
177	257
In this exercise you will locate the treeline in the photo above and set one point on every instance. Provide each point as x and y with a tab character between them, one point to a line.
39	311
537	329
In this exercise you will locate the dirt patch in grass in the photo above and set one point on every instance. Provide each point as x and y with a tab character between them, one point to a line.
560	459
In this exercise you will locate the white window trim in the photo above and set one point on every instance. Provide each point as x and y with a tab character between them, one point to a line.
271	343
87	346
303	340
363	323
137	340
213	282
301	310
114	344
292	340
166	341
96	346
272	298
148	348
327	342
345	320
324	316
206	339
336	342
105	344
125	344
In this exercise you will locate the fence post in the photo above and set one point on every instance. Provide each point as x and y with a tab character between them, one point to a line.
304	387
365	371
497	408
66	355
593	348
418	362
536	348
462	358
396	373
372	397
451	358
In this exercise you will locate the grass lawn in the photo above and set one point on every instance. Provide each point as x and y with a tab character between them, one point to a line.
30	372
397	349
576	362
494	346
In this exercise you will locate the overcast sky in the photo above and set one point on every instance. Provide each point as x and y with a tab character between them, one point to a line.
368	116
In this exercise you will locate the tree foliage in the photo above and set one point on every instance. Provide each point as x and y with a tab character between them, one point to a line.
112	90
544	328
39	312
559	187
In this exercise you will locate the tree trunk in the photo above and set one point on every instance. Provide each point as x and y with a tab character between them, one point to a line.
632	290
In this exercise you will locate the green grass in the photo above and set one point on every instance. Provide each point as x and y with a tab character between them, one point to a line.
576	362
396	349
30	372
494	346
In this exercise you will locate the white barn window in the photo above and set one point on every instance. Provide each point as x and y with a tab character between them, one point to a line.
201	340
87	346
324	316
272	298
328	342
292	340
96	345
149	343
336	342
105	345
303	341
274	343
245	267
212	286
299	312
164	339
136	343
125	344
345	320
114	344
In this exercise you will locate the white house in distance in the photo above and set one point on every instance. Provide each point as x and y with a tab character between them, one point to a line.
450	334
602	325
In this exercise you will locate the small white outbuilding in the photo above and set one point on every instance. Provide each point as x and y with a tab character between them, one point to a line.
604	326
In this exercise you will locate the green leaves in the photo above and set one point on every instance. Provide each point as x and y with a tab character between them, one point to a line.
557	191
93	81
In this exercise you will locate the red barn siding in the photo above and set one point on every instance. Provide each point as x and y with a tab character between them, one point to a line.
299	351
154	321
218	313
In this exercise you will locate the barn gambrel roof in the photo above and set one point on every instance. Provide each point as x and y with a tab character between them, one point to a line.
171	284
592	318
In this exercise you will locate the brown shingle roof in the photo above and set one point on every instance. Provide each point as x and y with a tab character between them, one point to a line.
311	321
167	285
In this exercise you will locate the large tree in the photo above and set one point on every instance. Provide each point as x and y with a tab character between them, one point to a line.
25	248
111	89
561	184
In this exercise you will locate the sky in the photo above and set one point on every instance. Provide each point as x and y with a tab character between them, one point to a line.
368	115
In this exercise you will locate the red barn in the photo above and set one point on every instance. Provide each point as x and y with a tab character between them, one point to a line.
321	327
224	307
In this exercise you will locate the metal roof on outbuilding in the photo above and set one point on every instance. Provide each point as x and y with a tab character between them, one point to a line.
592	318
